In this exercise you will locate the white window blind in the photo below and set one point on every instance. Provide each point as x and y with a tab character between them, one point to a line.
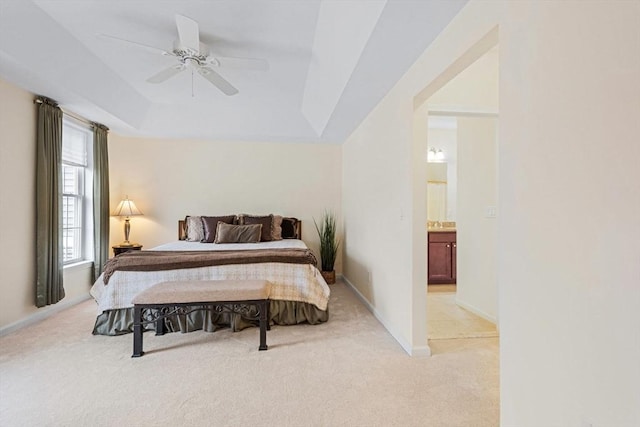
74	144
77	139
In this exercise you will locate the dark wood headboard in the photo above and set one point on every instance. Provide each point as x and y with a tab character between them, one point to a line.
182	230
296	223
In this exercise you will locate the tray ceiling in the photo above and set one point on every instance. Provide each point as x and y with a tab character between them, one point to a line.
330	62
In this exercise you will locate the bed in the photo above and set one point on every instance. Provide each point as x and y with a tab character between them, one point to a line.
299	293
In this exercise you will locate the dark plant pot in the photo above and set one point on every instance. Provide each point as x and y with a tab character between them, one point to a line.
329	276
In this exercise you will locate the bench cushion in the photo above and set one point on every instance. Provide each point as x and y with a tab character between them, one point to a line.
197	291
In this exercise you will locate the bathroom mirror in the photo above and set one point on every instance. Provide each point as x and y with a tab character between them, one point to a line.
437	192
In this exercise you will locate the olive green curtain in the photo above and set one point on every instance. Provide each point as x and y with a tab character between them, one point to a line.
100	199
49	256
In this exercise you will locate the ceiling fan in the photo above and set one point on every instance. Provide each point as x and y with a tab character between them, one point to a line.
193	55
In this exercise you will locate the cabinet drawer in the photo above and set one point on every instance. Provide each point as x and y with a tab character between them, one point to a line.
442	237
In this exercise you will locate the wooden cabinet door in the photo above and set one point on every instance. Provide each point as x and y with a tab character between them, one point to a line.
454	263
440	262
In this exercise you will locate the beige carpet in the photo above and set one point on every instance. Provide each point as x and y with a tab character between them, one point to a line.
347	372
447	320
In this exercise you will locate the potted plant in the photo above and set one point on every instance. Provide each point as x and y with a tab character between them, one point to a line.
328	246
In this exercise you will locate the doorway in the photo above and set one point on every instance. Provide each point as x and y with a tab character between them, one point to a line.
462	195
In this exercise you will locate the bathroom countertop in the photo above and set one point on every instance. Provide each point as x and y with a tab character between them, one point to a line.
442	230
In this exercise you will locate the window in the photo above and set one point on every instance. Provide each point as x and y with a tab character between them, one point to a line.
77	227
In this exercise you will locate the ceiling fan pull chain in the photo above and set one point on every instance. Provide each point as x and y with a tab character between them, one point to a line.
192	95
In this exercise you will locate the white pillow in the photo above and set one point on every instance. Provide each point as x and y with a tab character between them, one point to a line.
195	229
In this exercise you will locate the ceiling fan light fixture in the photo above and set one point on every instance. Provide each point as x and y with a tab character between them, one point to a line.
192	63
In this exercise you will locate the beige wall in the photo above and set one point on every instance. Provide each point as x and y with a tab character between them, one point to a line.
568	229
17	215
170	178
17	203
477	189
377	216
464	93
568	253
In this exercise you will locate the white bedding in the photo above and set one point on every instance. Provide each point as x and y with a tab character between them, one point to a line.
290	282
183	245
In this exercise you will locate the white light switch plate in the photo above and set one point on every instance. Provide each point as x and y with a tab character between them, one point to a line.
490	212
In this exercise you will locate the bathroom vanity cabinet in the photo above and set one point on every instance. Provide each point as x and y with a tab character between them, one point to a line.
442	257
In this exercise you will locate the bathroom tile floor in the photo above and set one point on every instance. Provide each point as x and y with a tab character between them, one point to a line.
447	320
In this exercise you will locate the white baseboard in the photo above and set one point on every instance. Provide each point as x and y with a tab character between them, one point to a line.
421	351
42	314
477	311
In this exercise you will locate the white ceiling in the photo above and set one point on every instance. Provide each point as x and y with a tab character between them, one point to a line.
330	62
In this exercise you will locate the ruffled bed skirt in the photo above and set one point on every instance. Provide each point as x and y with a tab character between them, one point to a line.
120	321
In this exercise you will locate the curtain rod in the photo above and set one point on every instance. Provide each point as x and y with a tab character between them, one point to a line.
77	117
42	99
82	119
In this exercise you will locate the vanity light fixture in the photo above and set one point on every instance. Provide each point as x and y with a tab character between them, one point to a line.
435	155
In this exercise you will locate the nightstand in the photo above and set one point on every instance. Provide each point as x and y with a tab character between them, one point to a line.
120	249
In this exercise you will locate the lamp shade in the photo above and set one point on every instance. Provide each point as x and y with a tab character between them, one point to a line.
126	208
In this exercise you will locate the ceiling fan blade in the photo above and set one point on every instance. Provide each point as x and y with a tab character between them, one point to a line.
244	63
136	44
188	32
217	80
166	74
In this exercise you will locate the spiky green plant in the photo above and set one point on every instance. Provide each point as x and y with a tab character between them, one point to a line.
328	242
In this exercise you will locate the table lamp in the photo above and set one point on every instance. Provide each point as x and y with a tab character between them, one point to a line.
126	208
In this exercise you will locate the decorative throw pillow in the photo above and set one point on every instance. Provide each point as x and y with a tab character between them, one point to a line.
194	228
264	220
227	233
289	229
276	228
210	224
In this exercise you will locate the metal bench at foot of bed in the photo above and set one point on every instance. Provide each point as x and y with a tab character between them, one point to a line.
183	297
